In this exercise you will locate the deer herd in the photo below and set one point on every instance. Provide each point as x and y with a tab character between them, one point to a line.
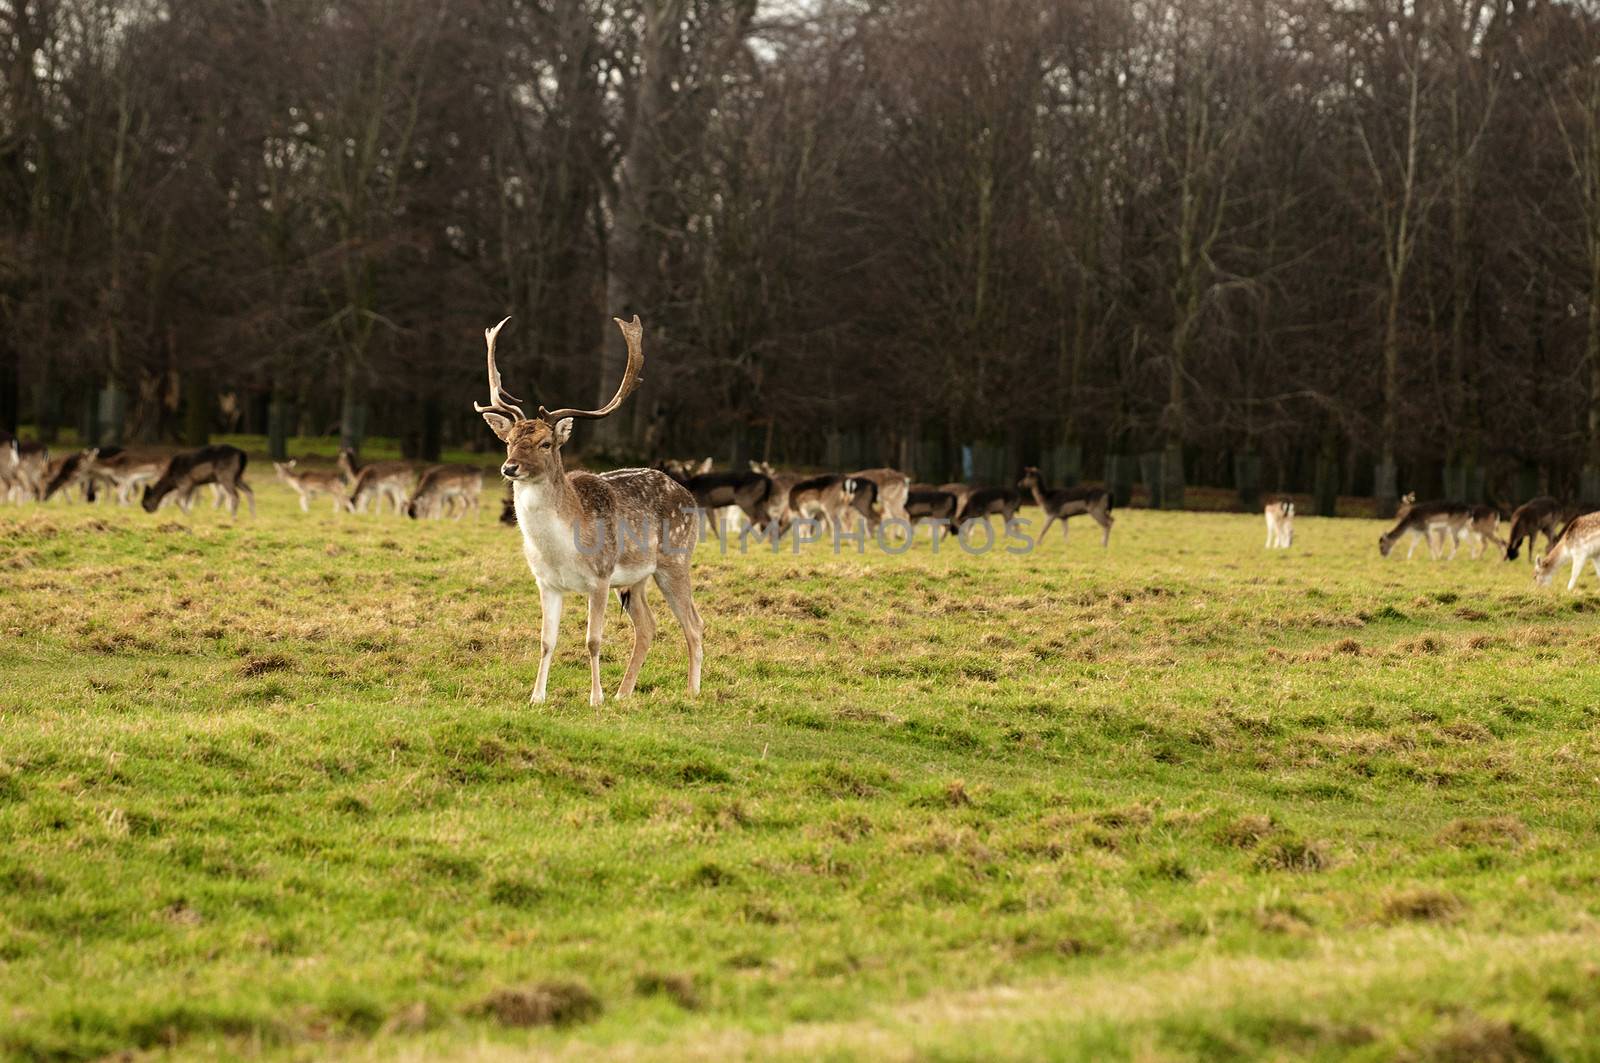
590	534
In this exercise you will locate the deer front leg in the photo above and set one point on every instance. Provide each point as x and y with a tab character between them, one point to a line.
644	630
597	627
550	603
1049	519
1577	570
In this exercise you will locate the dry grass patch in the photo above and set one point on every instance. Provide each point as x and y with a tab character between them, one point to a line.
1421	904
1507	831
545	1004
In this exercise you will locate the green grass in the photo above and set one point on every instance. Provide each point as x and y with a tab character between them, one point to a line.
273	788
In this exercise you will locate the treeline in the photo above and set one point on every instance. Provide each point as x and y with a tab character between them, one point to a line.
1343	245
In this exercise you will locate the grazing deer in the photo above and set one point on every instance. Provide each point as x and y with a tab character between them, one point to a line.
1482	523
1535	516
309	483
24	467
220	464
825	497
887	499
1448	520
981	502
932	504
377	481
584	534
1577	543
123	471
714	491
64	474
1068	502
441	488
1280	524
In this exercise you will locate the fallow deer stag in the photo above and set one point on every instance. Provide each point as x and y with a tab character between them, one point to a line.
584	534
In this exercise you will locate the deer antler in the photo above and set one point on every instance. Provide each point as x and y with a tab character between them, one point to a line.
499	401
633	332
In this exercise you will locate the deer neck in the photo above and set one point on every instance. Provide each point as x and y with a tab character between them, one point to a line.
548	507
1038	494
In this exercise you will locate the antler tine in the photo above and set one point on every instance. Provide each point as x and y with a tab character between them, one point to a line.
633	332
499	400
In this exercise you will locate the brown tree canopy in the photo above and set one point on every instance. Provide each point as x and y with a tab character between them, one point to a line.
1314	237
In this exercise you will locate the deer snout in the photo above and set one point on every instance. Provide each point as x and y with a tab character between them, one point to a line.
510	470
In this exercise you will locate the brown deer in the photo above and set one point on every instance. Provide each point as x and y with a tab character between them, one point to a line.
584	534
309	483
887	499
1422	522
1535	517
221	464
379	480
1578	542
1280	523
1068	502
127	473
441	487
24	466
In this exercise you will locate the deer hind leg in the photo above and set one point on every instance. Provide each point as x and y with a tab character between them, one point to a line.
597	628
1105	520
550	603
677	589
644	631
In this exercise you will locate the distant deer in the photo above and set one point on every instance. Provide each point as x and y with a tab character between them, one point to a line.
825	497
932	504
1482	524
981	502
583	534
64	474
1536	516
126	472
444	487
1069	502
1280	524
713	491
221	464
309	483
377	482
1577	543
1424	521
24	466
887	500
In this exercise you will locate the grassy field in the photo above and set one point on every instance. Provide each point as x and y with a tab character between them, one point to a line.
272	788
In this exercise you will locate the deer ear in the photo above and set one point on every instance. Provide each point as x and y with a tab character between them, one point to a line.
562	430
499	424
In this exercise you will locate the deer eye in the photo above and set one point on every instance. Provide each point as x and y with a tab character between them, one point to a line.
545	445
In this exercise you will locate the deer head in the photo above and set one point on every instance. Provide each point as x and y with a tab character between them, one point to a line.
533	444
1544	567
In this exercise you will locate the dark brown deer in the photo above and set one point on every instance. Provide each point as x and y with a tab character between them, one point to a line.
1067	502
220	464
1542	515
584	534
983	502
